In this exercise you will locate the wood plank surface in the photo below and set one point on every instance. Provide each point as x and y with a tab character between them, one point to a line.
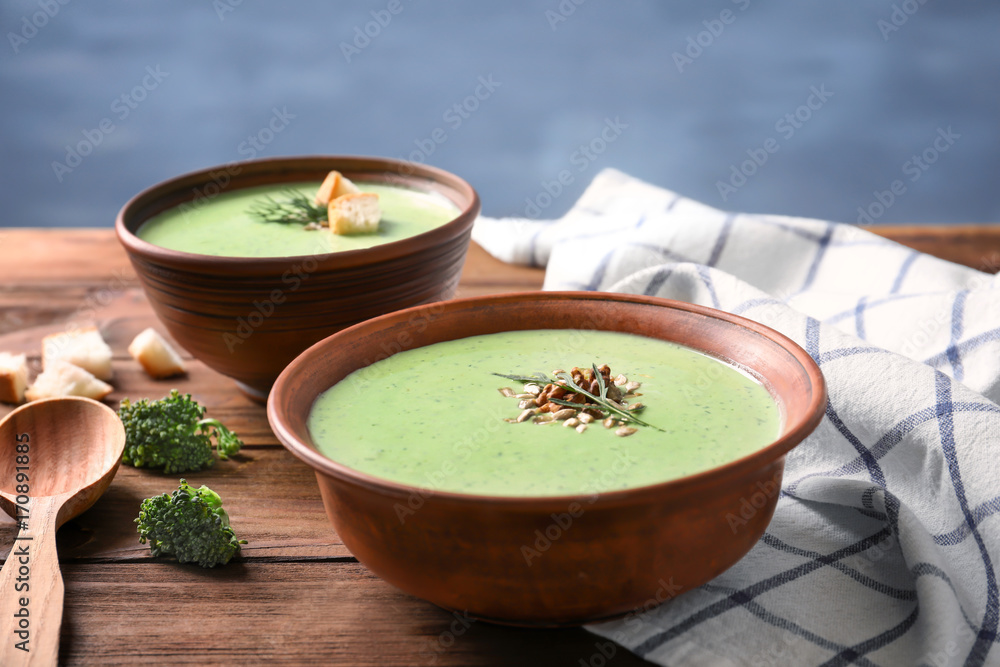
977	246
291	613
295	595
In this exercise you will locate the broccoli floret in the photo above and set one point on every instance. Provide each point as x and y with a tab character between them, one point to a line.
190	525
172	433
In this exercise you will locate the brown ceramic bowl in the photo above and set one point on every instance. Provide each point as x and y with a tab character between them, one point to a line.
629	549
249	317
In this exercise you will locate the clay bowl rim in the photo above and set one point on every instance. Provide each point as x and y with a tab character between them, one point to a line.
792	433
397	172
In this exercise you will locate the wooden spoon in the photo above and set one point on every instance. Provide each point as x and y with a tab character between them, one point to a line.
57	456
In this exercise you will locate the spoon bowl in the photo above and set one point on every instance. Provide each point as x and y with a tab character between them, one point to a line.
57	456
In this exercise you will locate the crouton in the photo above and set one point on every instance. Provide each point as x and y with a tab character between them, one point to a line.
61	378
81	347
158	358
13	377
354	213
334	185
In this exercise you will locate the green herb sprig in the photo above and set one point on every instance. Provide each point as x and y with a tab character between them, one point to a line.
295	208
540	378
602	401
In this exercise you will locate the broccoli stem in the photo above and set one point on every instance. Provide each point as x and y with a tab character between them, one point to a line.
227	443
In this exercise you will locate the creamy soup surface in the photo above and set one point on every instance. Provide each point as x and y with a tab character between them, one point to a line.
433	417
223	225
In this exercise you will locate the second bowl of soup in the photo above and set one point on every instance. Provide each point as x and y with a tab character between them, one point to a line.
245	295
549	458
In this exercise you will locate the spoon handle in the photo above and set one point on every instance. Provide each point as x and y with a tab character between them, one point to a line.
31	591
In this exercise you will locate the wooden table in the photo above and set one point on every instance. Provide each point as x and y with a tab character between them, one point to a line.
296	595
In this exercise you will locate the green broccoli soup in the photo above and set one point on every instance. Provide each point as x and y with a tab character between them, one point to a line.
226	226
438	417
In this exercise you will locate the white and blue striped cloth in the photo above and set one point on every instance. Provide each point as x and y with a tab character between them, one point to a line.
885	544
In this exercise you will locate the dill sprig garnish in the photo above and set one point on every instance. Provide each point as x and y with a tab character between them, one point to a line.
295	208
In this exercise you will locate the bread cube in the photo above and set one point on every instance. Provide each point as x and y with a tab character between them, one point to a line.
81	347
354	214
156	355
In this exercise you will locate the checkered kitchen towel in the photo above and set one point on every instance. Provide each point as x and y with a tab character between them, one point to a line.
885	544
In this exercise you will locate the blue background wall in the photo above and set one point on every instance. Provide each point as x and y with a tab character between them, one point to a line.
153	90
